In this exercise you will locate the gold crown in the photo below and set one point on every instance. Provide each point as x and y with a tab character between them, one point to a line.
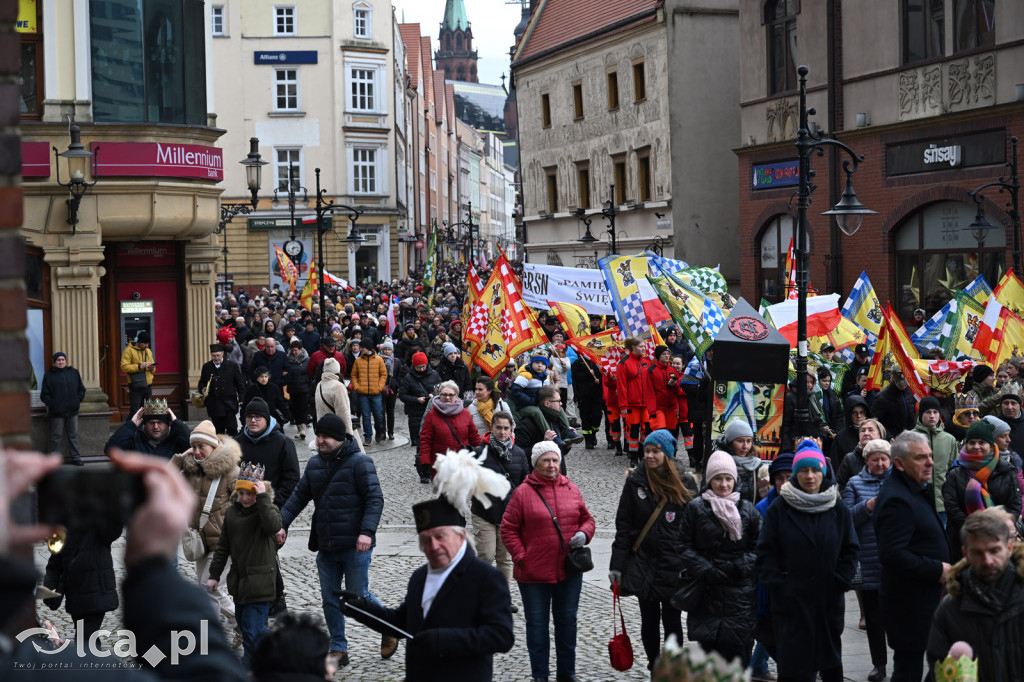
966	401
155	406
250	472
961	669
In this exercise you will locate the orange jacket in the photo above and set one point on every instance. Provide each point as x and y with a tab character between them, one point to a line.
369	374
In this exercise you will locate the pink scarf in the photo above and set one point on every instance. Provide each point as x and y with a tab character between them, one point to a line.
727	512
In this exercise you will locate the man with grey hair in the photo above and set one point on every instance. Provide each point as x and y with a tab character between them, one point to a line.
985	604
914	552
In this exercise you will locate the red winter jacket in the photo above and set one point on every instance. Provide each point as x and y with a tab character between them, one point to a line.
634	385
436	437
666	394
317	358
610	394
529	533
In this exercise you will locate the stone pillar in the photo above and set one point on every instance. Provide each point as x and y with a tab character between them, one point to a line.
76	274
201	260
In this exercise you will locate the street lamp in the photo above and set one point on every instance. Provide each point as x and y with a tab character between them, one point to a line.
849	213
1012	186
77	158
253	171
292	196
609	211
453	238
323	208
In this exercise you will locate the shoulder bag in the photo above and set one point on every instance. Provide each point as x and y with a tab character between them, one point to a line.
637	573
192	543
577	559
454	435
620	648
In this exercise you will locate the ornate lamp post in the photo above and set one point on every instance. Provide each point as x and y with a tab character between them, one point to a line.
77	158
253	174
1011	186
609	211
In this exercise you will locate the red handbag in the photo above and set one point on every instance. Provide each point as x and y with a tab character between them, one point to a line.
620	649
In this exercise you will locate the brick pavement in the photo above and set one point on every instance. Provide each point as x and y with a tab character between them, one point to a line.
597	473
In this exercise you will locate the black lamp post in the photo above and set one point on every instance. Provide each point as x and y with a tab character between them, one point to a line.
453	237
253	171
849	213
1012	186
609	211
292	196
77	158
323	209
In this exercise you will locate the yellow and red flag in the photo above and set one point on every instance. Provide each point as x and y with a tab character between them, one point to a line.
1010	293
311	291
289	273
1001	334
604	348
894	349
574	319
474	289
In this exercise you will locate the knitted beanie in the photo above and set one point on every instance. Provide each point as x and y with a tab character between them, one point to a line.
783	462
448	348
665	441
259	407
542	448
929	402
981	430
720	462
539	358
204	433
808	454
737	428
418	359
332	426
981	372
999	427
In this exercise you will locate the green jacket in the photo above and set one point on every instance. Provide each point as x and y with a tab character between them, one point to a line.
945	451
248	538
989	398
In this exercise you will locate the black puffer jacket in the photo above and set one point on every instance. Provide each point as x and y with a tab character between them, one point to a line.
351	501
661	547
297	380
84	573
416	385
457	372
849	436
726	615
896	409
276	452
1002	487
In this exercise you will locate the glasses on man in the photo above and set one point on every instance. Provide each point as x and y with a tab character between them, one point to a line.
253	417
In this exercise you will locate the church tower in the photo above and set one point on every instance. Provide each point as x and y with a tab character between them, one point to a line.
455	55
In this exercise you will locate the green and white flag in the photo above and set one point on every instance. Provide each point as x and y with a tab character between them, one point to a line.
430	269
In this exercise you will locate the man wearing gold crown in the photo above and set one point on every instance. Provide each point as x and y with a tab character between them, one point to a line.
152	430
985	604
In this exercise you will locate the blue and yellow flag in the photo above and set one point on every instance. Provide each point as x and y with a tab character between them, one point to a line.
862	305
636	304
979	289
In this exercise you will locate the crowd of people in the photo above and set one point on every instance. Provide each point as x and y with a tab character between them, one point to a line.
879	494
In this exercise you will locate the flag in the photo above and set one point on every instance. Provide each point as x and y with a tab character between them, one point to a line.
1001	334
603	347
979	289
704	280
289	273
930	333
943	375
430	269
392	322
1010	292
664	265
573	318
894	349
791	272
697	315
823	316
636	303
331	279
960	330
861	305
846	335
519	322
312	289
474	288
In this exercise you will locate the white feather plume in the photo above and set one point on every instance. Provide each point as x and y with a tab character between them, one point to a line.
460	477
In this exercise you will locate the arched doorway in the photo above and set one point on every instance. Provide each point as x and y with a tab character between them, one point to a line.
936	254
774	247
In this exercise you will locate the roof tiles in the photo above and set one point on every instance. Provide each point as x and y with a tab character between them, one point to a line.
411	38
563	21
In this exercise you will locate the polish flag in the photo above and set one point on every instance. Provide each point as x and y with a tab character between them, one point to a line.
654	309
331	279
823	316
392	324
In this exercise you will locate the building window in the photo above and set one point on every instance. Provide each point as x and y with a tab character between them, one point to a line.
30	30
38	330
284	20
780	20
362	20
923	29
551	178
583	184
639	81
974	24
619	167
545	110
364	171
936	255
643	174
577	100
285	158
217	20
362	89
613	90
286	89
149	65
774	247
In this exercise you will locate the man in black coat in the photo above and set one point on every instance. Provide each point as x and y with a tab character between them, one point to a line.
273	358
588	392
224	386
62	393
415	391
153	430
895	406
915	555
409	344
468	616
861	358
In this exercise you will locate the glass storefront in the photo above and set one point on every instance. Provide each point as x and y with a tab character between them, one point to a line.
774	248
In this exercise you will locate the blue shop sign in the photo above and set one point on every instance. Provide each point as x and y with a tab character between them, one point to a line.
285	57
772	175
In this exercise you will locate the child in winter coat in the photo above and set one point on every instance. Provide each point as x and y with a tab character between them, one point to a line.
531	377
248	539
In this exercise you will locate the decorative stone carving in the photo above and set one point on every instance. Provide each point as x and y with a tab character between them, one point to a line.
921	92
783	120
971	82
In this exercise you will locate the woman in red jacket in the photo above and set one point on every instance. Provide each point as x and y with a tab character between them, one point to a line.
665	382
447	426
637	402
538	556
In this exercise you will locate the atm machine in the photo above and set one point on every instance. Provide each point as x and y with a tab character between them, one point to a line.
137	316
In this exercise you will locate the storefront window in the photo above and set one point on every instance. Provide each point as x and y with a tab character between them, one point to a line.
936	255
30	30
774	249
37	291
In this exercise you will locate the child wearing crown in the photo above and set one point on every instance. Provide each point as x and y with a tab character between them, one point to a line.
247	539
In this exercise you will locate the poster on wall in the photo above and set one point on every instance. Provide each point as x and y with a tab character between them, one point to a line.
303	263
760	405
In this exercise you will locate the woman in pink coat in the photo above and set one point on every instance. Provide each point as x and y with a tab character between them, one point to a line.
538	556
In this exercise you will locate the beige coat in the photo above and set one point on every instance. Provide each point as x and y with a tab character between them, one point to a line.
332	393
223	462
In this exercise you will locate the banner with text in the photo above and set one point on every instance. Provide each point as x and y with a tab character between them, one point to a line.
584	287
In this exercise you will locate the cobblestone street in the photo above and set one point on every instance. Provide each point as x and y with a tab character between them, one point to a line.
598	474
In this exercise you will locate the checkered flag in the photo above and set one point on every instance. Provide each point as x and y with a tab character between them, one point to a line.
477	328
635	323
705	280
666	265
713	318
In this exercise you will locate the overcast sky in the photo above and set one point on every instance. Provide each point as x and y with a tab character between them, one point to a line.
492	21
